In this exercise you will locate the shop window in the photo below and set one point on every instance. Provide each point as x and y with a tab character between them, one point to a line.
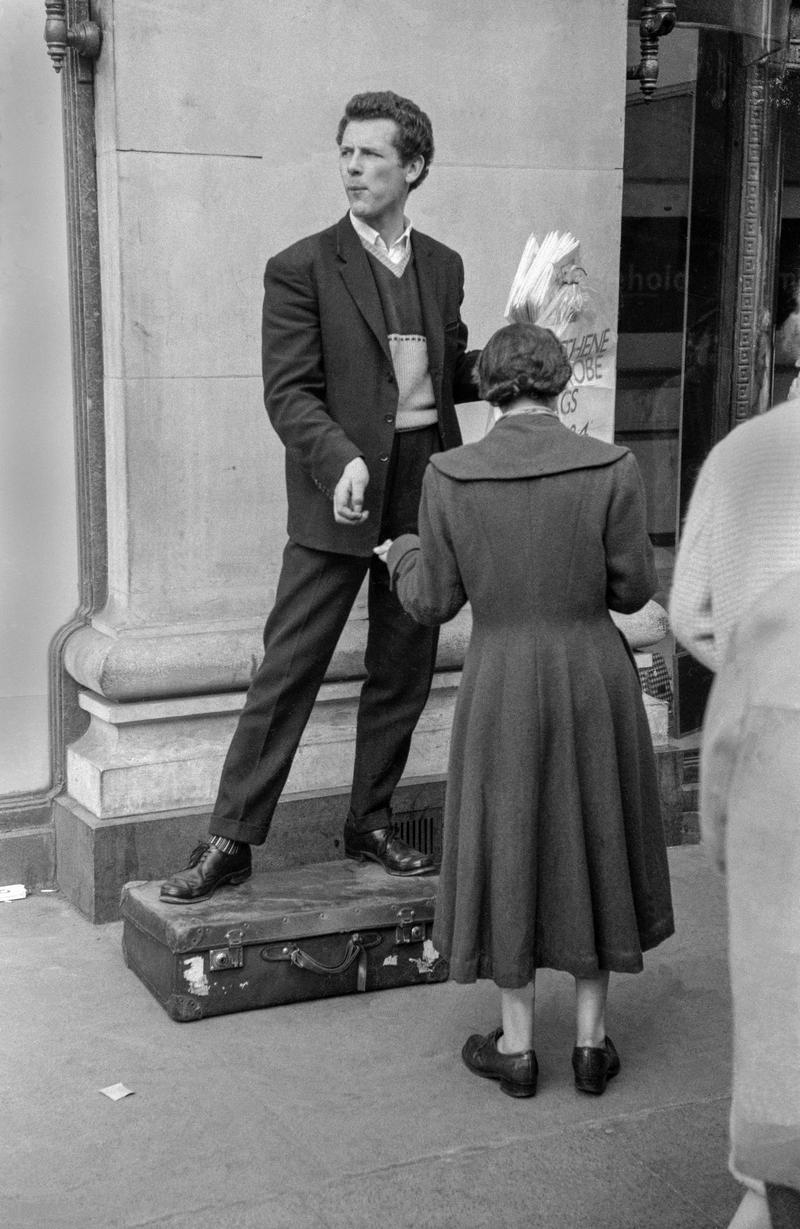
787	312
677	254
675	245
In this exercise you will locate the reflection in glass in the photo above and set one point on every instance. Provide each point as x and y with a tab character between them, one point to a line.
674	245
786	375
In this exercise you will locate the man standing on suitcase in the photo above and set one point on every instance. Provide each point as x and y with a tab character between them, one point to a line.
364	359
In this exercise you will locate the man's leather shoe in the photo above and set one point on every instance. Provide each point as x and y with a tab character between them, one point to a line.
594	1066
388	850
209	868
517	1073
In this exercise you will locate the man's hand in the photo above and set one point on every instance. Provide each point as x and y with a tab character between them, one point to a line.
383	550
348	495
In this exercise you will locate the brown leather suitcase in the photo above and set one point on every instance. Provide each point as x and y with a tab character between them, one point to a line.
283	937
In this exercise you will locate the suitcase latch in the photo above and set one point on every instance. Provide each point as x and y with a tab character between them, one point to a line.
407	931
231	957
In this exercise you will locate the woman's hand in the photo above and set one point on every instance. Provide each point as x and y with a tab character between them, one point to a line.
383	550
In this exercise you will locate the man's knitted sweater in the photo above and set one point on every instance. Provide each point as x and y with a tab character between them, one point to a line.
742	530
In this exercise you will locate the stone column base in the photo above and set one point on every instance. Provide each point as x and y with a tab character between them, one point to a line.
142	781
150	756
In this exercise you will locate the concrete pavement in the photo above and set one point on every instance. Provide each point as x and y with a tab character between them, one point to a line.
356	1113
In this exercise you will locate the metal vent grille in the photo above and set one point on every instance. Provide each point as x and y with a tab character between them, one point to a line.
422	831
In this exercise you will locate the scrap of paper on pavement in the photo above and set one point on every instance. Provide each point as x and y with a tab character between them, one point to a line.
13	891
115	1092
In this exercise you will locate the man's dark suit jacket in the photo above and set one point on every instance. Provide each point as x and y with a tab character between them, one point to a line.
329	384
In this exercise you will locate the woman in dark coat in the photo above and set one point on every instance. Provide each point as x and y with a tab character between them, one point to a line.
554	852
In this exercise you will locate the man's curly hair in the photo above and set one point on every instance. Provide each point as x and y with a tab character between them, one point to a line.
521	360
415	134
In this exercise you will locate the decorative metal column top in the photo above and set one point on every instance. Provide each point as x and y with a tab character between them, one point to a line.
655	21
84	37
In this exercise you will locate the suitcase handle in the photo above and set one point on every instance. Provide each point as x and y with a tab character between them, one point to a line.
304	961
356	944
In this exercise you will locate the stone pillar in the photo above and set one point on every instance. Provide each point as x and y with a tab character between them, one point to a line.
215	148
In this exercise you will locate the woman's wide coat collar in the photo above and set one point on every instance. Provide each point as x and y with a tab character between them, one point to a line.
526	446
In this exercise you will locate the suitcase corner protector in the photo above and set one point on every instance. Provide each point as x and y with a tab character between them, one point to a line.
183	1008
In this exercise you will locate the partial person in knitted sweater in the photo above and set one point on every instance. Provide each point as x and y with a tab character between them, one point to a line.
740	546
742	530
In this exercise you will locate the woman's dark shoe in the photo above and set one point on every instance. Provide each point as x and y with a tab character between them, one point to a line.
388	850
209	868
517	1073
594	1066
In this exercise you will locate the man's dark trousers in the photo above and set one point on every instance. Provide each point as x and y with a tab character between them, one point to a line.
316	592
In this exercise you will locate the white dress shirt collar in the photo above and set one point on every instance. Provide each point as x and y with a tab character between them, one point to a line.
398	250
